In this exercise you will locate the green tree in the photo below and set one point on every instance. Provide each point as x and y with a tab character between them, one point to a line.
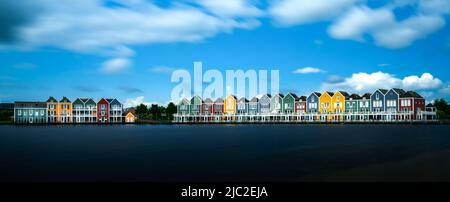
443	109
171	110
154	111
142	111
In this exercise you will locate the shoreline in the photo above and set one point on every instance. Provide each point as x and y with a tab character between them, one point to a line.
446	122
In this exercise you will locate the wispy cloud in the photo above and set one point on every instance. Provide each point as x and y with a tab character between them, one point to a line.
308	70
87	88
384	65
115	65
129	89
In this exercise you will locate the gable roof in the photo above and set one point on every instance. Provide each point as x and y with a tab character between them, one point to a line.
65	99
301	98
183	101
243	99
254	99
383	91
232	96
399	91
207	100
51	99
355	97
329	93
219	101
293	95
410	94
279	95
366	95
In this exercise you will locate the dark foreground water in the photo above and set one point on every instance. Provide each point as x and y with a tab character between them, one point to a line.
225	153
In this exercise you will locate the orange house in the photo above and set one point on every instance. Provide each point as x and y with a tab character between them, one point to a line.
230	104
64	111
52	105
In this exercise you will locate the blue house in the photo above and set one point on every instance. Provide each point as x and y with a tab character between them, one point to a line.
242	106
392	97
30	112
377	100
312	102
253	106
264	104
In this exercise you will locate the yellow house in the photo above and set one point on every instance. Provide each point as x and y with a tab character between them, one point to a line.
230	104
325	102
338	102
64	111
52	105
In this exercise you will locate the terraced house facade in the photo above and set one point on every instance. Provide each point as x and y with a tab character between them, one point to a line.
82	110
382	105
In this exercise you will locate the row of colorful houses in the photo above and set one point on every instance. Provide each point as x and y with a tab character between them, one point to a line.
382	104
82	110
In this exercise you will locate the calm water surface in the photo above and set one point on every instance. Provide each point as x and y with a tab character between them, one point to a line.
225	153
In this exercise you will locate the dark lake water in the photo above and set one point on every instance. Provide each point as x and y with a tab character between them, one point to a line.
225	153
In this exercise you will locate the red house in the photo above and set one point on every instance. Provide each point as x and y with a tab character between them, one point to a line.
207	106
300	105
411	102
103	111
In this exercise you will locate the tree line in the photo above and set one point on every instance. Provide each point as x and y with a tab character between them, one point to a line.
156	112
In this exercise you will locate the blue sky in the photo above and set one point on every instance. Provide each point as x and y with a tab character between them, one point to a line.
128	48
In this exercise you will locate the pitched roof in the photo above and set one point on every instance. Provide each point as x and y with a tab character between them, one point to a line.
232	96
355	97
65	99
243	99
430	105
366	95
384	91
109	100
254	99
329	93
278	94
317	94
84	99
399	91
293	95
51	99
207	100
345	94
301	98
219	100
412	94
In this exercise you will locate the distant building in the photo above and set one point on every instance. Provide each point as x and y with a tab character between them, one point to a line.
130	115
30	112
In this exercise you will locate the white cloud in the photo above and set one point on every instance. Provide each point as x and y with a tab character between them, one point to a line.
115	65
383	27
426	81
308	70
231	8
365	82
133	102
292	12
92	27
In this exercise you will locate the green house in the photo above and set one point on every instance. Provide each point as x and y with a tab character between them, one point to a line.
352	103
196	105
288	106
30	112
183	107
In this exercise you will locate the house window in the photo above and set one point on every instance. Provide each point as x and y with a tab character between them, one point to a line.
377	96
103	106
312	99
338	98
42	112
19	112
31	112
